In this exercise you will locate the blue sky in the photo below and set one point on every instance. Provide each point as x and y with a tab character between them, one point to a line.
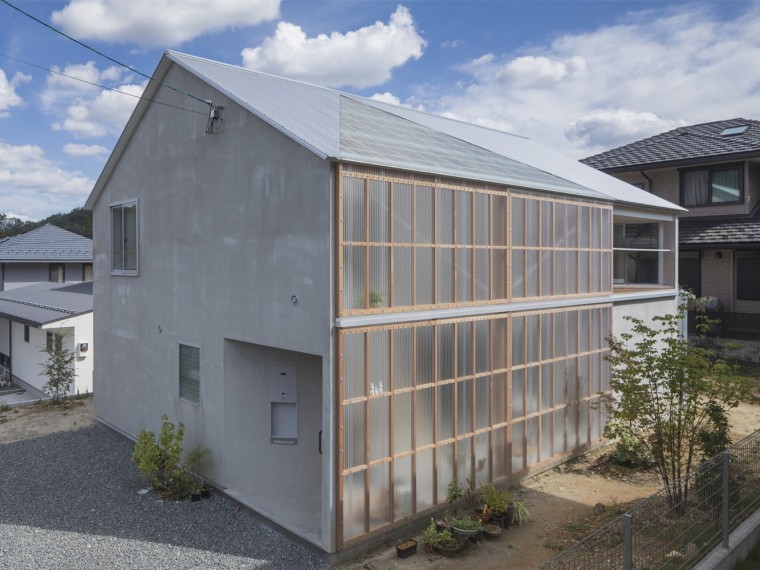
580	77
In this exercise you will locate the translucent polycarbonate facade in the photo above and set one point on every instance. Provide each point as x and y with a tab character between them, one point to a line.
418	244
488	398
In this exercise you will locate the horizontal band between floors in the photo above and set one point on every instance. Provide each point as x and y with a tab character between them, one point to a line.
502	308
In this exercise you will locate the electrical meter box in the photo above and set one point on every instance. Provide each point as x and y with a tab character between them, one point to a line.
283	405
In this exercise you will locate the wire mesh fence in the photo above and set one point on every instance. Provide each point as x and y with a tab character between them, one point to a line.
679	525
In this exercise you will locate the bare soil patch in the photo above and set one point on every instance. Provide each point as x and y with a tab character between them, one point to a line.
563	502
43	419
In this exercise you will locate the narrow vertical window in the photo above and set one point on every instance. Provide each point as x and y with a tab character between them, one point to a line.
87	272
26	333
57	273
124	238
190	373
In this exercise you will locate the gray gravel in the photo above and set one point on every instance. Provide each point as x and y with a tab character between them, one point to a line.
69	500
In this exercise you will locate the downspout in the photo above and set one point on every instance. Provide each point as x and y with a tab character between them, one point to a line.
2	276
651	185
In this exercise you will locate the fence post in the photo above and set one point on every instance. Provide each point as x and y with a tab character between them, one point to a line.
726	496
627	542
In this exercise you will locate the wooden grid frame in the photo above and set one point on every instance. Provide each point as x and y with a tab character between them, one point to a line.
603	324
366	175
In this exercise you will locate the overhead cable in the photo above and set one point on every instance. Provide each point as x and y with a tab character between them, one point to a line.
109	58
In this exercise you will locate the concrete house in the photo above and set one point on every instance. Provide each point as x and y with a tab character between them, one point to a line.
45	288
351	303
712	170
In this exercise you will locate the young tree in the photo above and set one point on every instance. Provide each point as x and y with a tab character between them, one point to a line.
58	368
672	394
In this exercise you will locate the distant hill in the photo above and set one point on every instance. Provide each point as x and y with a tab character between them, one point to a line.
78	221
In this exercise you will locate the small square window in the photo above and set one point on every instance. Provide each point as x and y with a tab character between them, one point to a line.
190	373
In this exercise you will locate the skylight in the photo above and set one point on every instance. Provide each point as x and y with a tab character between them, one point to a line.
734	130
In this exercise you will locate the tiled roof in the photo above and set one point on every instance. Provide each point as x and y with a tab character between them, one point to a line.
44	303
720	232
48	243
683	143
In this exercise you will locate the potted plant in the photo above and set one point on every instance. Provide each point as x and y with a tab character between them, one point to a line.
491	530
442	541
406	548
498	500
521	514
465	526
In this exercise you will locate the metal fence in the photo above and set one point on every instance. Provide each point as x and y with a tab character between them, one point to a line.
729	325
662	533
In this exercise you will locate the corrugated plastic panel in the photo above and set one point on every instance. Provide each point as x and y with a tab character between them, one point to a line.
530	153
371	136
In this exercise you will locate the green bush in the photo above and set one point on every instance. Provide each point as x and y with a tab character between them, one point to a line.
158	460
630	450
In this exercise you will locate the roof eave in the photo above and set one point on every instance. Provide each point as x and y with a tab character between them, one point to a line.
684	162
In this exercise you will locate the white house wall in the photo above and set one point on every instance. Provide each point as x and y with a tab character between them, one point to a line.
645	309
234	243
79	330
5	336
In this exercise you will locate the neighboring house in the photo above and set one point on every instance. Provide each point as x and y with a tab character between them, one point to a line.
351	303
45	288
713	170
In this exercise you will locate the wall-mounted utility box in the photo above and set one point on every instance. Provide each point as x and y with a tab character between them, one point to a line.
283	405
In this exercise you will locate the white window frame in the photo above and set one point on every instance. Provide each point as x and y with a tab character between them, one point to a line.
667	250
119	204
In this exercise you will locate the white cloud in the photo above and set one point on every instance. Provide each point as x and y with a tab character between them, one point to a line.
159	23
386	97
33	186
360	58
8	96
73	149
584	93
105	114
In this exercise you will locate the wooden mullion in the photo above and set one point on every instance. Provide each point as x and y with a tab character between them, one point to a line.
339	234
391	302
491	327
508	439
414	418
472	246
366	431
436	378
454	394
473	393
391	434
340	392
414	241
366	241
436	294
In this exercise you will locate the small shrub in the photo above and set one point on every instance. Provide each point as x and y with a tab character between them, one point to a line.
196	460
630	449
714	436
439	538
158	460
497	499
455	491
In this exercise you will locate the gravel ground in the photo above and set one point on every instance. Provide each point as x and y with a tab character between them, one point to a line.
70	500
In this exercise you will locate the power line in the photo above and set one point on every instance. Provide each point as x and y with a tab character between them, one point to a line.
109	58
99	85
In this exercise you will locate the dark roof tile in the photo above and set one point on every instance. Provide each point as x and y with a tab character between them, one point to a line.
683	143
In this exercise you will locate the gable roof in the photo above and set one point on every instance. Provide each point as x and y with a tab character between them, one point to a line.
46	244
343	127
683	144
44	303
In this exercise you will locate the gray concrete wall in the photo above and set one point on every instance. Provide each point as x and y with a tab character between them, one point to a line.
286	482
232	225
